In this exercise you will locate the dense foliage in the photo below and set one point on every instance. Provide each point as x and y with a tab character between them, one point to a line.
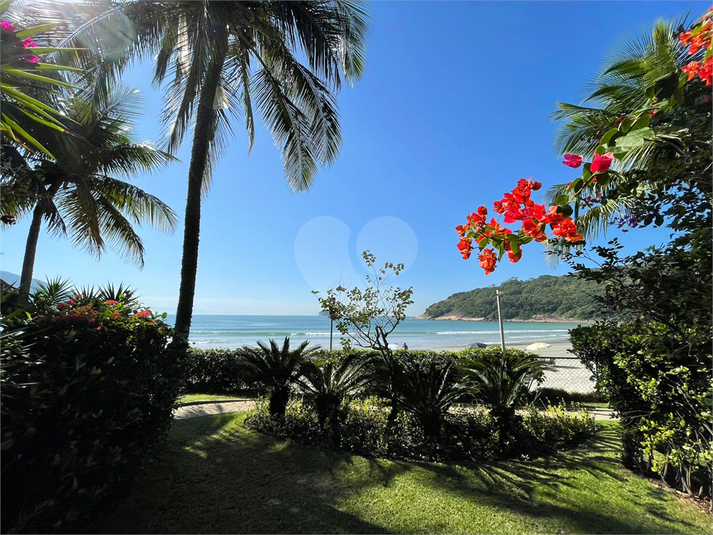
214	371
405	405
468	433
654	359
546	297
88	387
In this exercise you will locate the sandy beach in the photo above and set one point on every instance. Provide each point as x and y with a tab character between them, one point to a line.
568	373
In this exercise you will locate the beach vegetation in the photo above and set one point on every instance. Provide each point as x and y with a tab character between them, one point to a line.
83	192
275	369
219	61
88	388
368	314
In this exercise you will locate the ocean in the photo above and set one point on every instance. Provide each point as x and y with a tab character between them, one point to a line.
213	331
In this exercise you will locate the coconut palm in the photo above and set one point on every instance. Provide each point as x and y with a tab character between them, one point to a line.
78	192
239	58
328	383
275	368
640	74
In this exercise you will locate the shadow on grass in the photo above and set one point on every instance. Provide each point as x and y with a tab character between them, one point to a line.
216	477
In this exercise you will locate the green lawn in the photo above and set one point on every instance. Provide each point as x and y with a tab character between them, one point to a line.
219	478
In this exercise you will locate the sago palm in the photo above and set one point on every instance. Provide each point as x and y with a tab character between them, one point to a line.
501	382
328	383
275	368
81	192
218	59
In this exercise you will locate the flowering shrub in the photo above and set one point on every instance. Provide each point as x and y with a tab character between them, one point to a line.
697	39
514	206
88	388
628	134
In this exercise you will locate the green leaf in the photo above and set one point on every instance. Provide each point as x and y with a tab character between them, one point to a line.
625	125
562	199
576	185
26	136
38	78
52	67
641	122
34	30
607	137
635	139
566	210
4	4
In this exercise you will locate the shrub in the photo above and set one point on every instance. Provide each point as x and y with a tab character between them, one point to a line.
467	433
545	396
214	371
88	388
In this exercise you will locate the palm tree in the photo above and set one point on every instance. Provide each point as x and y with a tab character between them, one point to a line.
640	74
77	192
501	382
240	58
328	383
276	368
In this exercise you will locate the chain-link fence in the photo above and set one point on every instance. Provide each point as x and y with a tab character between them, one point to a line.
568	374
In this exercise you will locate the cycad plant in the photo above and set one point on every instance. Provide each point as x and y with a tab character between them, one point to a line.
276	368
501	382
328	382
427	390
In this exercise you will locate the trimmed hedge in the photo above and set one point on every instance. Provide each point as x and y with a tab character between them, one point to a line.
213	371
88	389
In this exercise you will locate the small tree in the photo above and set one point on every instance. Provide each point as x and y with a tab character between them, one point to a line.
368	316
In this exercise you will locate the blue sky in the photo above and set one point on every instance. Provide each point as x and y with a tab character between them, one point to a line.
453	109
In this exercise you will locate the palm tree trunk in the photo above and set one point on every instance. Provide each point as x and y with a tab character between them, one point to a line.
202	139
28	262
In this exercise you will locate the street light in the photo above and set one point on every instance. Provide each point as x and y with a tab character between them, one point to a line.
498	293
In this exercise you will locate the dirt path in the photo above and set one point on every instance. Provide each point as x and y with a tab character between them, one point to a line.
211	407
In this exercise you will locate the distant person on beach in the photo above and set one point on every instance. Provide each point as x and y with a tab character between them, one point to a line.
405	348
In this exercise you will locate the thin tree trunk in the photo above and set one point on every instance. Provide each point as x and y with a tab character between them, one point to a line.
202	138
28	262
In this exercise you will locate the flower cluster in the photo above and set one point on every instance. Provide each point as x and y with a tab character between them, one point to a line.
700	38
90	311
20	45
514	206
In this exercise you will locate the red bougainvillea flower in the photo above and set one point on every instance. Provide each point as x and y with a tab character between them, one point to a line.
619	121
143	314
567	229
705	73
465	246
7	27
602	163
112	302
572	160
691	69
534	230
487	260
685	37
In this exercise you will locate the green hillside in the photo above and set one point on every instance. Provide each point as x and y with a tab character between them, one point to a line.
544	298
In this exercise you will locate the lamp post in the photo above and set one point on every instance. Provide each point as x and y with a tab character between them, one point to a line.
498	293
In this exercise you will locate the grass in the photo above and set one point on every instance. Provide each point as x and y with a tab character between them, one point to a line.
217	477
206	397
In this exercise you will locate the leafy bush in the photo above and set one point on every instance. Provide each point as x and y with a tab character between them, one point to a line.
88	388
214	371
544	396
467	433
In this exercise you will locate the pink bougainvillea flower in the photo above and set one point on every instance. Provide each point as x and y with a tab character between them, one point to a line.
572	160
112	302
7	27
29	43
31	59
602	163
